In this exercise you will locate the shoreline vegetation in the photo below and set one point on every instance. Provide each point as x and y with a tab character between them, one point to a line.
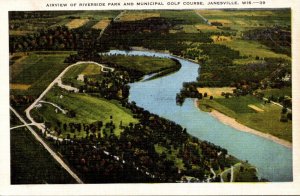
240	127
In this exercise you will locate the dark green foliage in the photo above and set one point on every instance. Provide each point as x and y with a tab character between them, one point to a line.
31	163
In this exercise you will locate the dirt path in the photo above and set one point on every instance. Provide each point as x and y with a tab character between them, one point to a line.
52	153
55	105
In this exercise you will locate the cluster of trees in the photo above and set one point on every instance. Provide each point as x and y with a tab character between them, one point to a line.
21	100
152	33
110	85
277	38
189	90
133	157
208	54
58	38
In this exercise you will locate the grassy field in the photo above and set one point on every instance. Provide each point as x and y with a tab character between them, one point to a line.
267	121
31	163
141	63
252	49
38	69
277	92
88	110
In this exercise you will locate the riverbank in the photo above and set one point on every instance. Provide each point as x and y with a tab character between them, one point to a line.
240	127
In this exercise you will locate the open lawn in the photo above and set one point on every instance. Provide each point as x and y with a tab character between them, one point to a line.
31	163
144	64
84	69
88	110
266	121
37	70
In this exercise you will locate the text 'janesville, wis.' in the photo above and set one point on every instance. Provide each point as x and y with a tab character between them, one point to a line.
156	3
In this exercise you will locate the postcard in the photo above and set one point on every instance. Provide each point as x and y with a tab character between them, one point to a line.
149	97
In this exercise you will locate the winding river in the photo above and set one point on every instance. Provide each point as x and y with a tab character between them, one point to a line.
273	161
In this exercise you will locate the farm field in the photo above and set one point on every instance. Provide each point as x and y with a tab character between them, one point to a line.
102	24
252	49
240	20
36	71
144	64
267	121
215	91
31	163
137	15
88	110
76	23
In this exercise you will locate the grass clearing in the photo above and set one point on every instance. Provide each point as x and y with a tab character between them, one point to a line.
76	23
266	122
144	64
216	92
71	77
31	163
88	110
286	91
102	24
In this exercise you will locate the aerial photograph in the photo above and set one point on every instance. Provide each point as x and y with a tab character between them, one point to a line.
150	96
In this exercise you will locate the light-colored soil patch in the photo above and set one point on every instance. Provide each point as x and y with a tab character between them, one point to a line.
255	108
215	92
75	23
19	86
205	27
221	38
102	24
130	16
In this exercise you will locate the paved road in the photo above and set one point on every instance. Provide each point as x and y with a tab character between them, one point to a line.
56	80
52	153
